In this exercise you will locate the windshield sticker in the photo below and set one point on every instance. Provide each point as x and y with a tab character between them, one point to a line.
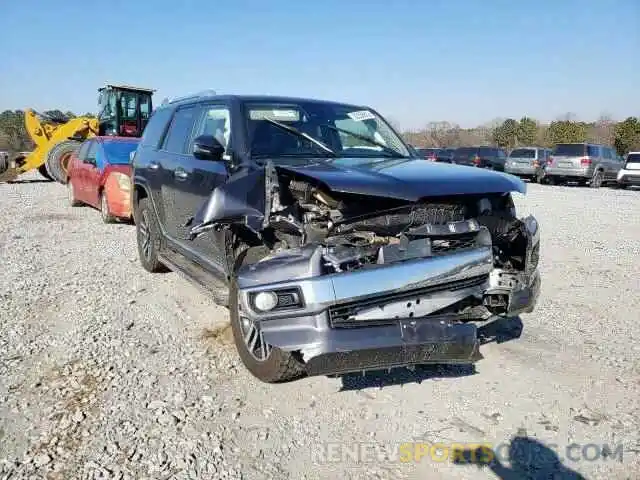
361	115
275	114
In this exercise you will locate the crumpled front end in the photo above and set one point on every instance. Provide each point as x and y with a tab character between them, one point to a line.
354	282
415	305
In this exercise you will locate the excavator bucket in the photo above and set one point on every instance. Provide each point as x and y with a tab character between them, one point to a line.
54	142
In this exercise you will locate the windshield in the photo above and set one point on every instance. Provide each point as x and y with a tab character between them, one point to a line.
117	153
523	153
570	149
278	131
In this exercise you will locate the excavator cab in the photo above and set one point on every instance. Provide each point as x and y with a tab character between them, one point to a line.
123	110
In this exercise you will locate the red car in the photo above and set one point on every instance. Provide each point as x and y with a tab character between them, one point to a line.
99	175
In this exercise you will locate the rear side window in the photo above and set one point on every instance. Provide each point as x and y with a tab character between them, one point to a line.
180	130
594	151
607	153
633	158
155	128
570	149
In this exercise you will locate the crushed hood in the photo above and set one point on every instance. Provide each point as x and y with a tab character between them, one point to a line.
405	179
248	196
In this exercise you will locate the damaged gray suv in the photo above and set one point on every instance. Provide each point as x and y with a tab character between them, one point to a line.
334	247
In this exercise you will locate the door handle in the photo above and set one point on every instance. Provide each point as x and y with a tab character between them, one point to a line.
180	173
154	166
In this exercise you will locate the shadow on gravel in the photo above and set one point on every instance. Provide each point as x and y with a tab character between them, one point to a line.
500	330
402	376
529	459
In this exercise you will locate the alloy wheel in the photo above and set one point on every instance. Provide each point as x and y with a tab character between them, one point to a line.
253	337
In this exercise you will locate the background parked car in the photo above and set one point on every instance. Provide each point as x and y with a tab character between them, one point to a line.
527	162
629	174
585	163
444	155
100	176
483	157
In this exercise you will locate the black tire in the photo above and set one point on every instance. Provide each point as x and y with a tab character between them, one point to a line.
42	170
105	214
598	178
148	230
279	366
57	159
71	196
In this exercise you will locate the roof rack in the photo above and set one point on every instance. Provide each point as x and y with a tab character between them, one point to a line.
203	93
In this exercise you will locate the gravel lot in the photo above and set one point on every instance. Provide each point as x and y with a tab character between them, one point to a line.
107	371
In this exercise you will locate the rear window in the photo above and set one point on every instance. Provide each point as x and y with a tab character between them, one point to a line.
118	152
465	151
488	152
570	149
633	158
523	153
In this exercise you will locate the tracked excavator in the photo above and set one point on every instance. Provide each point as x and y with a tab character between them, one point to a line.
123	111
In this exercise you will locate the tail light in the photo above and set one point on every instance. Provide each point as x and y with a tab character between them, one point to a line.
431	157
585	161
476	160
536	163
550	161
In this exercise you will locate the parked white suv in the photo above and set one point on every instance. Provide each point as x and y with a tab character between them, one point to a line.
629	174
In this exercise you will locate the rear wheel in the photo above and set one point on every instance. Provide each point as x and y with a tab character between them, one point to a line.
265	362
596	181
148	237
71	196
58	159
104	209
42	170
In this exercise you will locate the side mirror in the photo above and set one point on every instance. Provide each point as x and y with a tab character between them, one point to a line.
207	147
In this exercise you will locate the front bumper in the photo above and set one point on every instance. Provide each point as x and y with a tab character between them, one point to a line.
628	177
385	316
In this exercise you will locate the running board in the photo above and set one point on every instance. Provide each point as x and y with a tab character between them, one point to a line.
196	275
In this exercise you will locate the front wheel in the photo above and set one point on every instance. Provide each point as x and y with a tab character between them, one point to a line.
265	362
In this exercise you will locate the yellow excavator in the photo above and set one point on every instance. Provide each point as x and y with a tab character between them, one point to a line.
123	111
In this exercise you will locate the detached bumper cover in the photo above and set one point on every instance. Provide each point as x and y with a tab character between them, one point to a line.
384	316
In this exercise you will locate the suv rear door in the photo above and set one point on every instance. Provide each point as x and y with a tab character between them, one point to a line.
568	156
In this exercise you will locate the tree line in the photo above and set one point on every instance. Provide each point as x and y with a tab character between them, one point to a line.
508	133
511	133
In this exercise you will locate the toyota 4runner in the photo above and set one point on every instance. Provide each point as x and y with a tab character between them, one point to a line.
334	247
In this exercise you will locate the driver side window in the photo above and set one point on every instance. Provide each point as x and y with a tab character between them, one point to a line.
215	120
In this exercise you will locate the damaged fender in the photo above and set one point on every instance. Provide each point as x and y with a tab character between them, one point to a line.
246	198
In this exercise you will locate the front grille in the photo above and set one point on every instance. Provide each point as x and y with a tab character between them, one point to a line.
397	220
339	314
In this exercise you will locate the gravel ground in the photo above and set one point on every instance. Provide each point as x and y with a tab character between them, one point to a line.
107	371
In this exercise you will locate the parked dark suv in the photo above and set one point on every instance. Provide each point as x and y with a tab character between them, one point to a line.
493	158
333	247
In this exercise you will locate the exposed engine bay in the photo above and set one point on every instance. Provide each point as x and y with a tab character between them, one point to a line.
357	231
